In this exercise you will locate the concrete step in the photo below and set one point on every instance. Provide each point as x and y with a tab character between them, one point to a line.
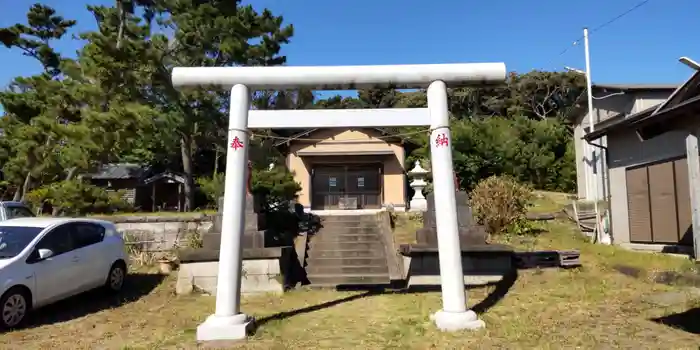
349	218
346	245
343	217
348	230
348	279
343	270
354	224
346	237
347	261
343	253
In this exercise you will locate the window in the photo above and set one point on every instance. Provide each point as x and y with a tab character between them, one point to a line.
85	234
18	212
59	240
13	239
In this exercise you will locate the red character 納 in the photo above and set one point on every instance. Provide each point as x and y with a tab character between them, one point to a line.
442	140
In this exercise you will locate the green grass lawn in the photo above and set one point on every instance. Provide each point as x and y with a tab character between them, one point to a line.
594	307
550	202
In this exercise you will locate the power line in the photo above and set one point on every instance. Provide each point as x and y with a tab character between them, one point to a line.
605	24
387	136
619	16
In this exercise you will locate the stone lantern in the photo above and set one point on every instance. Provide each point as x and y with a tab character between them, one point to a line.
418	202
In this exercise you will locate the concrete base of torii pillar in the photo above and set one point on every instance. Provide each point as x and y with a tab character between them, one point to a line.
216	328
457	321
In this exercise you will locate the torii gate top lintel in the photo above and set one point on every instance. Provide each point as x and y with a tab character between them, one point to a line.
412	76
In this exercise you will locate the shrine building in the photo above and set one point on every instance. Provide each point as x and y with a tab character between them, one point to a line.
349	169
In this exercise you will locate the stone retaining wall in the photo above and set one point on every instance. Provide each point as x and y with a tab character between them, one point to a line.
264	270
481	264
424	270
161	233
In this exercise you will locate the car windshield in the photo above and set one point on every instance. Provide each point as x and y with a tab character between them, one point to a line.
13	239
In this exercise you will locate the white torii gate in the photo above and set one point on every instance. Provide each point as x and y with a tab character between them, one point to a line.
227	322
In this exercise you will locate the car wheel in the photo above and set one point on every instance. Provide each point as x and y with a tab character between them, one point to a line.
115	279
14	307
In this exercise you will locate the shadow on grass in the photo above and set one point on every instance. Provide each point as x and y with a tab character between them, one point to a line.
501	289
498	293
688	321
670	278
288	314
136	286
629	271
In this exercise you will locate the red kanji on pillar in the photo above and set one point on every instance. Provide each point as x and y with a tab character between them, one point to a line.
442	141
236	144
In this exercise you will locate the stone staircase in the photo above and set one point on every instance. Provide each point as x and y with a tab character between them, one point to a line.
347	250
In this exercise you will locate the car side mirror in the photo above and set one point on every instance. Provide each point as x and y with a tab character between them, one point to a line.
45	253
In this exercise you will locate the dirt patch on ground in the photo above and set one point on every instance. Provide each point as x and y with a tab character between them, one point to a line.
678	278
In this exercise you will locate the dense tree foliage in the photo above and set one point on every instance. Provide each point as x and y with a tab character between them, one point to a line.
114	102
519	129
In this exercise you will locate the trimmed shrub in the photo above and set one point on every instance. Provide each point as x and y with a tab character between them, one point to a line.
500	203
75	197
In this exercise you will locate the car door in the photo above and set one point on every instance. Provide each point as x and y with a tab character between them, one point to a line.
88	239
58	276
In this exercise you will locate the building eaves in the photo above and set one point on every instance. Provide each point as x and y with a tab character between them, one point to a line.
617	122
664	121
690	88
177	177
580	104
635	87
305	133
685	98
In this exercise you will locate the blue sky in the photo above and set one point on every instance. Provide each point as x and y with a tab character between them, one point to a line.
641	47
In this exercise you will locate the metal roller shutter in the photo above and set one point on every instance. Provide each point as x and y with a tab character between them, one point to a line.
658	203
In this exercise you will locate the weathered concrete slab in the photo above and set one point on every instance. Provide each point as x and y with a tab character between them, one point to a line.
424	270
259	276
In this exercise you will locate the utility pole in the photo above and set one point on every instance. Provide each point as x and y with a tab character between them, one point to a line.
591	128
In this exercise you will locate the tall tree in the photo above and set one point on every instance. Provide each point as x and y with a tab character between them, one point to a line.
35	38
339	102
78	113
199	33
378	97
33	106
541	95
